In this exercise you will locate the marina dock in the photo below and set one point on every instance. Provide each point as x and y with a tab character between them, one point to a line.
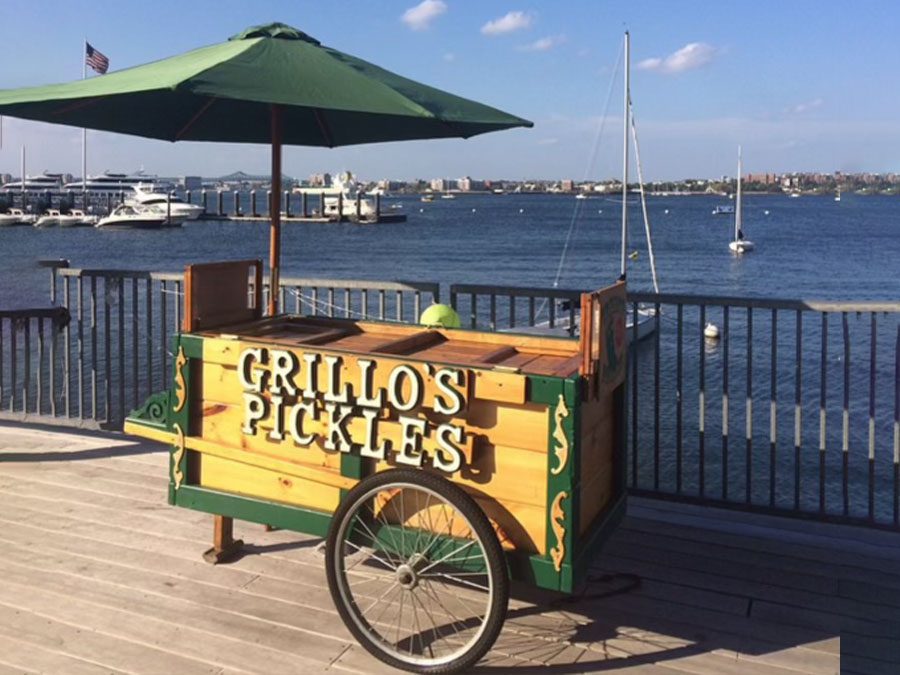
101	575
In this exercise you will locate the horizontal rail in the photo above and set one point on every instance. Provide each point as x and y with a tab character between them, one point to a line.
763	303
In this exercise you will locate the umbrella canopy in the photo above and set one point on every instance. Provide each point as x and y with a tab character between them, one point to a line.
270	83
224	92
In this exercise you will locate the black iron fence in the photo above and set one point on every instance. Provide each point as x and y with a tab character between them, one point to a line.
792	407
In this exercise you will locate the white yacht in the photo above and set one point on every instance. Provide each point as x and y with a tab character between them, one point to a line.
42	183
342	197
115	182
133	216
147	195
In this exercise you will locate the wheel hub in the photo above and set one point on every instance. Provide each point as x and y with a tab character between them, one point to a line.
407	577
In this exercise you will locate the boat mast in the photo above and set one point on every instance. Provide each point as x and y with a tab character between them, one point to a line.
84	130
625	116
737	205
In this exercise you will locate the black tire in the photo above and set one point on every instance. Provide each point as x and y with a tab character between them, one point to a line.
409	572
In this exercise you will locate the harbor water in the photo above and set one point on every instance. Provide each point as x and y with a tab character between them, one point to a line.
809	248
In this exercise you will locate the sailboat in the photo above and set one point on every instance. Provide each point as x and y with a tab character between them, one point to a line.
837	197
739	245
638	324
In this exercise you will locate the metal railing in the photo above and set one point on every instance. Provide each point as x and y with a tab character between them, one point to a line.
794	408
31	379
115	351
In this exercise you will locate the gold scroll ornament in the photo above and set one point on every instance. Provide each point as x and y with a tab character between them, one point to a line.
557	522
180	385
177	473
559	435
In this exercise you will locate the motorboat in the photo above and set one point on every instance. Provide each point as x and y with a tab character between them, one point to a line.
427	198
15	217
84	219
180	210
133	216
581	195
448	195
724	210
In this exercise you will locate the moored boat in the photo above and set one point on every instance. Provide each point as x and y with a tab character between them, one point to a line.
133	216
180	210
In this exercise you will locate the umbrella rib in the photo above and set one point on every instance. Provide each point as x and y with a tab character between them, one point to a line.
323	127
196	116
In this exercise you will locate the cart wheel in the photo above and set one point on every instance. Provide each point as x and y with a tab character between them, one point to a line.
416	572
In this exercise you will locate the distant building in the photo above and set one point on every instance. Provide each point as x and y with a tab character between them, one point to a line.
440	184
191	182
5	178
567	185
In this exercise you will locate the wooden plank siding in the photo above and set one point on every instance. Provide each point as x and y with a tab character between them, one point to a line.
101	575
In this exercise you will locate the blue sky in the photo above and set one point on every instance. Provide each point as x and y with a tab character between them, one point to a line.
803	85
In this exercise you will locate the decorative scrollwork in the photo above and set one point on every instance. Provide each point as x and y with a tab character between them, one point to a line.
154	410
561	449
557	522
177	455
180	385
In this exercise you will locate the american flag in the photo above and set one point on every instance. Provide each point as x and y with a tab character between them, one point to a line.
95	59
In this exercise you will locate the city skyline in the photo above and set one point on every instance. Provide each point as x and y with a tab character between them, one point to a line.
801	89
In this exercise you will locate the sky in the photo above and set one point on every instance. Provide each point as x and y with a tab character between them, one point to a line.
802	85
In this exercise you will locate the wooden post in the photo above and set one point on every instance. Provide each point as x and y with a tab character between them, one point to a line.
340	207
304	206
203	199
220	204
377	207
225	546
253	203
358	205
237	202
322	204
287	203
275	214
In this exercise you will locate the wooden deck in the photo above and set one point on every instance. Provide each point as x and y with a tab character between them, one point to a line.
99	574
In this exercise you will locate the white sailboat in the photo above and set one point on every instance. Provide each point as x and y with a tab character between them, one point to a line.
739	245
645	317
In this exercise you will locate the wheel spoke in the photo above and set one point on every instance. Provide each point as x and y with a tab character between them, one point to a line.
449	555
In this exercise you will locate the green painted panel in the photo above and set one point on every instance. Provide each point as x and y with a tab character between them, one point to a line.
544	389
254	510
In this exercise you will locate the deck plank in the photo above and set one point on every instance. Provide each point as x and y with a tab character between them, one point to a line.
101	575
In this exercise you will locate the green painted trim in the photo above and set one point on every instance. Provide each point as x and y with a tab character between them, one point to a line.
193	345
536	570
593	541
543	389
283	516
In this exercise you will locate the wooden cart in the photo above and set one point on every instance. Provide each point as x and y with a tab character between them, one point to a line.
438	463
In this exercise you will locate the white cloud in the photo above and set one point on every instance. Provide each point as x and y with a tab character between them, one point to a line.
692	55
543	44
508	23
449	57
806	106
421	16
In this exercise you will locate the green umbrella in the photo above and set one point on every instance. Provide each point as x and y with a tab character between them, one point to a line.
269	84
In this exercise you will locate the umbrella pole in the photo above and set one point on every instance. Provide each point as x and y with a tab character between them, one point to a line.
275	212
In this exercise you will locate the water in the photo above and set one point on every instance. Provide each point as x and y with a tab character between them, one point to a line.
811	248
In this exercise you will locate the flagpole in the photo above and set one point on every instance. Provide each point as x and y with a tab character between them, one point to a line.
83	130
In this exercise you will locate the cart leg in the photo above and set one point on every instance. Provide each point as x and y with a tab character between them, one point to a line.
225	546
